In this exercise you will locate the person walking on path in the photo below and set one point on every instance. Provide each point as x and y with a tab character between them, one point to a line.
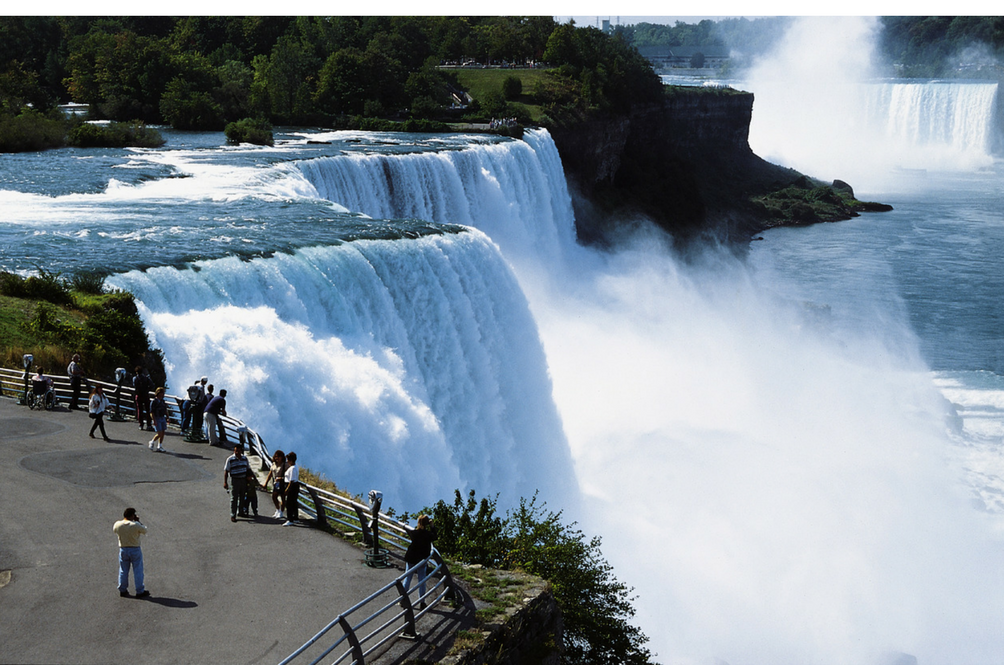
76	373
96	406
291	478
217	407
158	411
277	475
236	469
129	529
418	553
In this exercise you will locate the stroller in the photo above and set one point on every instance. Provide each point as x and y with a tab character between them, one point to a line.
42	396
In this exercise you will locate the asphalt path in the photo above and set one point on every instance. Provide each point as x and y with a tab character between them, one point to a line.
221	592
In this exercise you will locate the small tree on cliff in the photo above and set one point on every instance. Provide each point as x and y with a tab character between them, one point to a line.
596	607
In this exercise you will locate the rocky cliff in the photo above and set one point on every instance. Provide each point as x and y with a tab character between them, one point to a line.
685	164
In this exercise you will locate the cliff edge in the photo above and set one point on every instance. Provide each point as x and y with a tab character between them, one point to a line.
685	163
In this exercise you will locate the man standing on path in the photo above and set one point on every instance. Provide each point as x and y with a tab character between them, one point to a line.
128	530
237	468
217	407
76	373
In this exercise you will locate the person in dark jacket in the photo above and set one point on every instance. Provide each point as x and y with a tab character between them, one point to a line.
418	552
216	407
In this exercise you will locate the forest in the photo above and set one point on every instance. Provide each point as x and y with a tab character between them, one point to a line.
202	73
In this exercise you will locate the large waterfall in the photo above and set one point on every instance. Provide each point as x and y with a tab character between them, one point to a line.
819	108
411	365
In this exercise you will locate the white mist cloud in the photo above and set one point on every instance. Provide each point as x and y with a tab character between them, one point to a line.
820	109
775	490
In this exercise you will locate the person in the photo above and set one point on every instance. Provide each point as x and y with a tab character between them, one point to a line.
198	410
76	373
291	478
195	394
158	411
216	407
236	468
418	553
96	406
250	499
141	387
129	529
276	475
42	385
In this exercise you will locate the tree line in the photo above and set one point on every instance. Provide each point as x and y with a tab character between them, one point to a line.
204	72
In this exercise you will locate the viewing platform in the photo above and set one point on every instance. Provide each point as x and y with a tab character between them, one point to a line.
221	592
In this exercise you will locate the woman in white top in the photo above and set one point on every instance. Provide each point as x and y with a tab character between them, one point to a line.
96	406
292	478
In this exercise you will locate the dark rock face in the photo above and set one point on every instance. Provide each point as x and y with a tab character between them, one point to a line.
685	164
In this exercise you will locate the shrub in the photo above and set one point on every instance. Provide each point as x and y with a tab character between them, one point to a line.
30	130
512	87
595	606
88	282
249	130
114	135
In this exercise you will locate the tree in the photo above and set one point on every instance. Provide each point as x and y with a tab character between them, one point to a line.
595	606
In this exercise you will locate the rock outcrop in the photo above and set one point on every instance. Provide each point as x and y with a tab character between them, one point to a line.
685	164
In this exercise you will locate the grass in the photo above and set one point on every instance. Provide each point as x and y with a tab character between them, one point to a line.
480	82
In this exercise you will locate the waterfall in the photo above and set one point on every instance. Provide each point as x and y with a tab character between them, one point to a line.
514	191
955	116
409	366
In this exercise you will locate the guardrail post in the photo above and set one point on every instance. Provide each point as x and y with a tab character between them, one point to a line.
454	589
357	649
322	517
409	611
364	524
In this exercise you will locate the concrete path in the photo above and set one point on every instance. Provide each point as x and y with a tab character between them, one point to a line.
250	592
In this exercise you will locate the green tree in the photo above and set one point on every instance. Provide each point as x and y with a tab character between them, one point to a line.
596	607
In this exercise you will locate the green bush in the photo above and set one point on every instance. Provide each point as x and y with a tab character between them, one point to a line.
88	282
249	130
114	135
30	130
512	87
595	606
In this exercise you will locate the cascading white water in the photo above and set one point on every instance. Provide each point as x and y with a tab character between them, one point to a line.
819	108
413	366
514	191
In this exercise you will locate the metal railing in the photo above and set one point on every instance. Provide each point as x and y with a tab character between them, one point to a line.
394	607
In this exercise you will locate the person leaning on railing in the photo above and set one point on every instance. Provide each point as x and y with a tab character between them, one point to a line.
418	552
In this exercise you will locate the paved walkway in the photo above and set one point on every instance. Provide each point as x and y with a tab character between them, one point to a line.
250	592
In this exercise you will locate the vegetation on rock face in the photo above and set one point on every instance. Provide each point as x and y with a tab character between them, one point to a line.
52	318
808	201
595	606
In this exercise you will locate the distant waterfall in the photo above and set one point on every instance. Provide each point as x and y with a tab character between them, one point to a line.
410	366
514	191
958	116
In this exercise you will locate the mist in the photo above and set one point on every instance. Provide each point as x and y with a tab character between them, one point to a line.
772	484
820	108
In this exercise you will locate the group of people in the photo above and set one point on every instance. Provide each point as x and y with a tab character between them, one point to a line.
202	406
497	123
284	475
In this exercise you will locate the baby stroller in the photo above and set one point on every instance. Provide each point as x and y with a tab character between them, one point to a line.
42	396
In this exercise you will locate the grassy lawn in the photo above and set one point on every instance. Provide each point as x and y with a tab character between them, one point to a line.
480	82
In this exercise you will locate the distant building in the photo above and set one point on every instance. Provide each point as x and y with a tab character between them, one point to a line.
675	57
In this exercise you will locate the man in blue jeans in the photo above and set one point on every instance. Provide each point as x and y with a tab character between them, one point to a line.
128	530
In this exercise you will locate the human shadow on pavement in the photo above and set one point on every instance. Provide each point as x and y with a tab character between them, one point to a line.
171	602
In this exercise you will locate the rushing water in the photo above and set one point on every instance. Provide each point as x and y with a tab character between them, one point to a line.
793	458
